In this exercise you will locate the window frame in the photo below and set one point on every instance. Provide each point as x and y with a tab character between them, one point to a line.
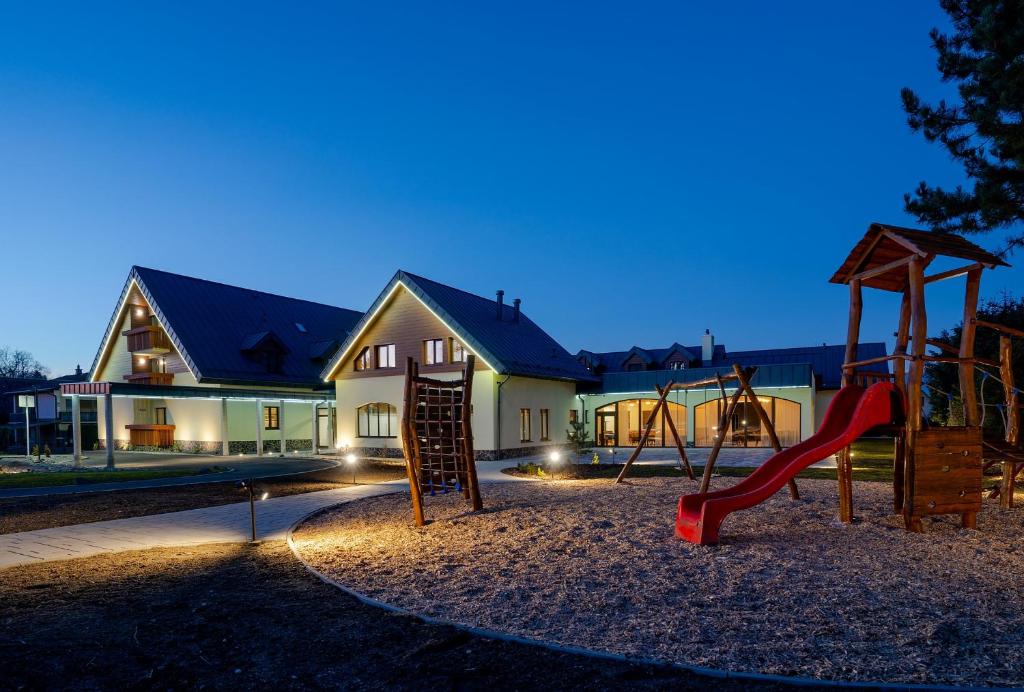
525	427
362	361
381	409
160	415
271	421
452	343
391	359
433	352
545	425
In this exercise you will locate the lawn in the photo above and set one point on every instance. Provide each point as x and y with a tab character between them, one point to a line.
50	479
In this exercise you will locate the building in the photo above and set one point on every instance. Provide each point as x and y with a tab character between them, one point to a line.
49	418
198	366
794	385
524	384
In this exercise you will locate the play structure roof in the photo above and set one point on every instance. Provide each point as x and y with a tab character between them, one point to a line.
883	245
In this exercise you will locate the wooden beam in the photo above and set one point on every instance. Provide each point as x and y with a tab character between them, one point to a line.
409	444
882	269
871	361
1012	435
1003	329
853	327
968	394
723	427
766	421
643	438
902	339
701	383
919	333
953	273
680	447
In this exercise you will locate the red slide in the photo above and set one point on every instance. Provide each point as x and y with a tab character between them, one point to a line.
853	411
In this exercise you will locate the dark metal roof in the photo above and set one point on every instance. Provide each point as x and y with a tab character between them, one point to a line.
157	391
883	244
510	347
212	323
825	361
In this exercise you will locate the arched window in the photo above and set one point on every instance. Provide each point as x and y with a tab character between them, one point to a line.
622	423
745	429
377	420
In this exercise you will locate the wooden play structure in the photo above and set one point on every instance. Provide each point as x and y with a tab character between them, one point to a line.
938	470
742	378
437	437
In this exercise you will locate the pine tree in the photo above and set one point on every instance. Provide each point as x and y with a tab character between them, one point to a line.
984	57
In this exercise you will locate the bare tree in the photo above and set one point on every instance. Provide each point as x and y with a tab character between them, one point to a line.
17	363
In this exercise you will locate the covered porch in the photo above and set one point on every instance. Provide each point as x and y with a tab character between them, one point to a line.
204	420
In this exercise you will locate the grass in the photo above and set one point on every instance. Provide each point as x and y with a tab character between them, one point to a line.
872	461
56	478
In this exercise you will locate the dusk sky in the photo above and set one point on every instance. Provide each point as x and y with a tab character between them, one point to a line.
635	174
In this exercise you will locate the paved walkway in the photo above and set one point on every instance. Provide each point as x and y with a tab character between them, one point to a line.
225	523
240	469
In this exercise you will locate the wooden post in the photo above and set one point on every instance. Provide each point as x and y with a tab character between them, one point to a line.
1012	437
766	421
723	427
853	328
643	438
844	469
899	462
467	434
966	367
919	333
408	444
899	366
675	433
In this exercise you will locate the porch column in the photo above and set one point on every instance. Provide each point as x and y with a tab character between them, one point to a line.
332	423
108	425
76	430
316	428
280	423
225	447
259	428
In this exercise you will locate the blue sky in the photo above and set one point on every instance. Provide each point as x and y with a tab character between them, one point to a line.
635	174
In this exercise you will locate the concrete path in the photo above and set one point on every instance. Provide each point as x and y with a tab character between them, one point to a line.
240	469
667	456
225	523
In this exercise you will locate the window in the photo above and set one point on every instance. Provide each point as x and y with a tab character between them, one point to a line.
573	415
377	420
363	359
677	365
458	351
544	427
524	425
160	415
433	351
745	429
386	356
271	418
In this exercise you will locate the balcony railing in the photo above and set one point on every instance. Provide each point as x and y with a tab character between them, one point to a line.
149	340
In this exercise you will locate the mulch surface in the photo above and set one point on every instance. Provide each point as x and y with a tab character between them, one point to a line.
251	617
789	591
47	511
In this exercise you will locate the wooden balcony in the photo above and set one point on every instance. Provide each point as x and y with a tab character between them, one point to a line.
148	340
150	377
151	435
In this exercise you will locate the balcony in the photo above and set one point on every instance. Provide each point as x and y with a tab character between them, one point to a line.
151	435
150	377
147	341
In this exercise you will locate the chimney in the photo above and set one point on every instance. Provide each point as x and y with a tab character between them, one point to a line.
501	303
78	369
515	309
707	347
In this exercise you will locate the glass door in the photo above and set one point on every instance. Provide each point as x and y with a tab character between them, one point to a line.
606	428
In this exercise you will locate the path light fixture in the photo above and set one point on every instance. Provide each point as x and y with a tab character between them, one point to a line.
250	486
351	459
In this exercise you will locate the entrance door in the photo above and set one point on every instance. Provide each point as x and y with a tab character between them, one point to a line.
323	427
606	428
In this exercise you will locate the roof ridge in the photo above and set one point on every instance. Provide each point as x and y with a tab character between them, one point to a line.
418	277
137	267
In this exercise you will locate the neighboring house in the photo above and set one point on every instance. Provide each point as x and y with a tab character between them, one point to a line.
200	366
524	384
794	385
49	419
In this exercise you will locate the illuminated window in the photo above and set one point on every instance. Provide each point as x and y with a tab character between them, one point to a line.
363	359
271	418
524	425
459	352
386	356
433	351
377	420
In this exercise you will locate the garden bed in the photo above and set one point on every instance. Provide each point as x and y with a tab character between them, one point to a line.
789	591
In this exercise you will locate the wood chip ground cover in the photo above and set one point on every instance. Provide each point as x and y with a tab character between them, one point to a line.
789	591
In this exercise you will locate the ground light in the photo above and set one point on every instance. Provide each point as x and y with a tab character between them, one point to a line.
351	459
250	486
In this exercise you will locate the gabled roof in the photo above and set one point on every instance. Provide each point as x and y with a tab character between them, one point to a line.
640	353
884	244
211	324
508	347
